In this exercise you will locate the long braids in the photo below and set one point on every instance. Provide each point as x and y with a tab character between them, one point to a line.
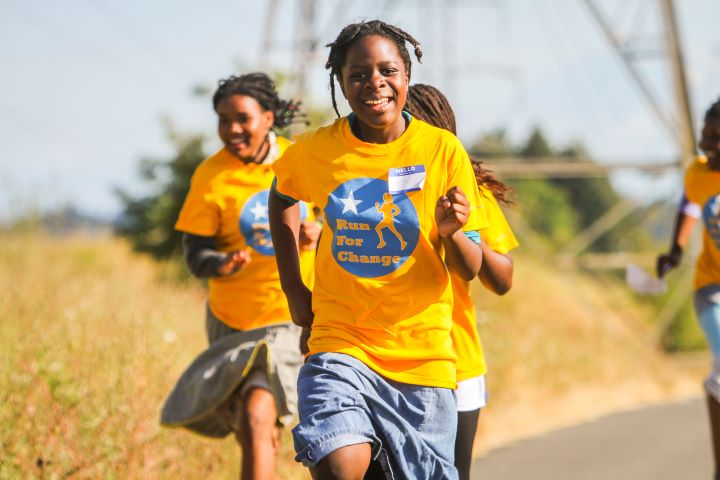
429	105
355	31
260	87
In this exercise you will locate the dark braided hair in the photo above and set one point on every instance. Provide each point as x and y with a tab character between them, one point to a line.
429	105
260	87
356	31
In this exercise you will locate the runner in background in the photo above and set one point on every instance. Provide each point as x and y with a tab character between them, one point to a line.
245	382
429	104
702	188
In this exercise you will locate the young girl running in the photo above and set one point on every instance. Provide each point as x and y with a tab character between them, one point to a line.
379	379
428	104
702	188
246	380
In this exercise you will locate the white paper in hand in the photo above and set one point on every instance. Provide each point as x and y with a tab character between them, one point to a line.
643	283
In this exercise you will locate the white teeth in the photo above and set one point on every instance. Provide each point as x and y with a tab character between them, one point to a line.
377	102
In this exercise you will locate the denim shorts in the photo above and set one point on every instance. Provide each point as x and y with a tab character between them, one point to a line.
343	402
707	308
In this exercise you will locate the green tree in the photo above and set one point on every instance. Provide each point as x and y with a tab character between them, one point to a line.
148	221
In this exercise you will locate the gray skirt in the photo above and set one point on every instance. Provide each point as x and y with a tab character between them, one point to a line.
205	399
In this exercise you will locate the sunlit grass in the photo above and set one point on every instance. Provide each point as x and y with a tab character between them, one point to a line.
92	343
93	338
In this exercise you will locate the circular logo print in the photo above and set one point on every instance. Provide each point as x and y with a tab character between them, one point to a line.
374	232
711	217
254	224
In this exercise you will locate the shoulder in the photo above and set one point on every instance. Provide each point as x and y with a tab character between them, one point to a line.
320	134
313	140
432	135
211	166
697	169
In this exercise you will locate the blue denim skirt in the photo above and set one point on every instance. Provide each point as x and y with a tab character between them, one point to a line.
342	402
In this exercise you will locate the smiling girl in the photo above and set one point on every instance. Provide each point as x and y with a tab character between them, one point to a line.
245	381
402	210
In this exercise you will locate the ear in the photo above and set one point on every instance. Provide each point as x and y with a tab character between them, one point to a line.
268	119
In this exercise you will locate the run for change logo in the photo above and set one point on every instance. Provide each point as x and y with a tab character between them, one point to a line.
254	223
374	231
711	217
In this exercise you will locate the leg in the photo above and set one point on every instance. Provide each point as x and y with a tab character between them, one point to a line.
378	230
467	426
708	312
714	414
345	463
258	436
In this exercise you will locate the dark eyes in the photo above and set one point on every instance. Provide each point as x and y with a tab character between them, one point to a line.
386	72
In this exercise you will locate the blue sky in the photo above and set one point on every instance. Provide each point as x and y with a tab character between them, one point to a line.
86	83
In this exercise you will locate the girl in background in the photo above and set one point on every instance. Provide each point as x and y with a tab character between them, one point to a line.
245	383
702	188
429	104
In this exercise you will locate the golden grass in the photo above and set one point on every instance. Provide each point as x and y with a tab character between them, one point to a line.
92	343
565	346
93	340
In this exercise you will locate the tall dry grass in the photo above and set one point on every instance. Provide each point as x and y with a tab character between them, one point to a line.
93	339
92	342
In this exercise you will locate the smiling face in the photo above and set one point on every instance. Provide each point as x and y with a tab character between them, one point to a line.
374	81
710	140
243	126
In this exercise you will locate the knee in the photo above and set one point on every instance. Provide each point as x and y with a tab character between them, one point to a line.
258	416
712	382
345	463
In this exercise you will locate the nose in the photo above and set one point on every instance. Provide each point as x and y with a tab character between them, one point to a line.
376	80
236	127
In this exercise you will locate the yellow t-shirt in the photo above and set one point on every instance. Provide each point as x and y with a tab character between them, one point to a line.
228	201
382	291
466	340
702	186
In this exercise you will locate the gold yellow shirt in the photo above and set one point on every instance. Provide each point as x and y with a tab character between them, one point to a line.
228	201
466	340
382	292
702	186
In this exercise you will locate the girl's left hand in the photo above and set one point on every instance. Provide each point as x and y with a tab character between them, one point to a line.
451	212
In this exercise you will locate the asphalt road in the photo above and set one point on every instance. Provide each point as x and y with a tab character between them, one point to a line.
667	442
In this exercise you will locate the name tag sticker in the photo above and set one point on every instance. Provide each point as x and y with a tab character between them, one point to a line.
406	179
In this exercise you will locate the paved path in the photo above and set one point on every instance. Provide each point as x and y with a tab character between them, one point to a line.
668	442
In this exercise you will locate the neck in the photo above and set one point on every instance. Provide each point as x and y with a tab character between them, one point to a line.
386	134
261	154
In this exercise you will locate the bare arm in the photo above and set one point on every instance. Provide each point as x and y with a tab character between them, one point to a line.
285	231
463	257
496	271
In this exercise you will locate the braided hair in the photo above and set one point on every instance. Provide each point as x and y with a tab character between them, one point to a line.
429	105
356	31
260	87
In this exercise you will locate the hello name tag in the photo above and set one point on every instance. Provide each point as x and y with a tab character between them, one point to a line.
406	179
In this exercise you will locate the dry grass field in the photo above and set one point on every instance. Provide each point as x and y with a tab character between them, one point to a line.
93	337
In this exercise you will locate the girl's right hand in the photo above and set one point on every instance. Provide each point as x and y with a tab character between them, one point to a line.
234	261
300	304
668	261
